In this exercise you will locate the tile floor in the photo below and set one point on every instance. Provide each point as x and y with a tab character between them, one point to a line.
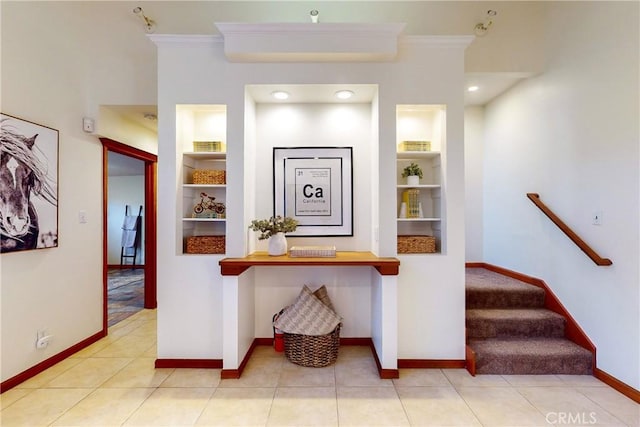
114	383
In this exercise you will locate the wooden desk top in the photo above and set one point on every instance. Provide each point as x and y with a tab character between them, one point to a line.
235	266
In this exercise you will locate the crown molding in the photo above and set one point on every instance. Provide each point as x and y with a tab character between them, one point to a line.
309	42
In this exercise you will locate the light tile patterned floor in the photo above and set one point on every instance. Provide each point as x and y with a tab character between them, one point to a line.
114	383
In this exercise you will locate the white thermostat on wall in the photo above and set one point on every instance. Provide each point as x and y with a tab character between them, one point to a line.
88	124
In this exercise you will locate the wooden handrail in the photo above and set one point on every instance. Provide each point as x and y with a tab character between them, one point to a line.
535	198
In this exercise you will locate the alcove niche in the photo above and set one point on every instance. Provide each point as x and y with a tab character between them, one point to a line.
206	316
314	117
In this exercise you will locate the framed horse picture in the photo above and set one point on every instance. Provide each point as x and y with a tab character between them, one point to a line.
28	185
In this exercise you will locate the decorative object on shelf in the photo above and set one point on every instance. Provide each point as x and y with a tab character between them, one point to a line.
274	229
403	210
314	185
209	176
207	207
413	173
411	198
416	244
209	146
415	146
277	245
205	245
313	251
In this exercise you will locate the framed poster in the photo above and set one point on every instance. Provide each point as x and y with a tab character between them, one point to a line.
28	185
314	185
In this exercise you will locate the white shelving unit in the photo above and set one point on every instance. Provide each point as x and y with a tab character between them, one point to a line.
421	123
200	123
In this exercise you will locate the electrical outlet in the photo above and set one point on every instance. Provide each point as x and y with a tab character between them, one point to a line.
43	339
82	217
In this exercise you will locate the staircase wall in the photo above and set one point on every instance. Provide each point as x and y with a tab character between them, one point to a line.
574	140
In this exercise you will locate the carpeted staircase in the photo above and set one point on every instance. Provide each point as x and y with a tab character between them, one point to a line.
511	332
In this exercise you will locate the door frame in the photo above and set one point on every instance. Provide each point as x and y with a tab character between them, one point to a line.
150	220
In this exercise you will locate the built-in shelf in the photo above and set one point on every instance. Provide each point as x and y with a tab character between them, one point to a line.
386	266
204	185
417	154
420	126
200	123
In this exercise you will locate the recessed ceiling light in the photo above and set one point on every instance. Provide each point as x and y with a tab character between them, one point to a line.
280	94
344	94
473	88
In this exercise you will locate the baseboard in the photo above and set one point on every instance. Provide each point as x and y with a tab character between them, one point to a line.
618	385
470	357
189	363
430	364
365	342
46	364
234	374
385	374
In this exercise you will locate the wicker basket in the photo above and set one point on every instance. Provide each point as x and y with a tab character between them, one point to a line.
205	245
209	176
312	351
416	244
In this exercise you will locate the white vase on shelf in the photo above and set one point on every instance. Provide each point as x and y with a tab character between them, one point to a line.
413	180
277	245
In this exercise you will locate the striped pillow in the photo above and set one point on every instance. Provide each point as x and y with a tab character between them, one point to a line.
307	316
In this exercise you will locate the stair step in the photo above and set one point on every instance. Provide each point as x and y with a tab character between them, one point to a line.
535	356
486	289
521	322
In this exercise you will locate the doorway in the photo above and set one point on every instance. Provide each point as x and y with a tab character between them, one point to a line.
129	282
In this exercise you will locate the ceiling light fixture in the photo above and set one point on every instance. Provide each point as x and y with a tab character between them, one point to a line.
473	88
280	94
481	28
149	24
344	94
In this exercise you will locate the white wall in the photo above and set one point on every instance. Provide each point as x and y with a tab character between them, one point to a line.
316	125
195	71
473	178
60	61
571	135
123	191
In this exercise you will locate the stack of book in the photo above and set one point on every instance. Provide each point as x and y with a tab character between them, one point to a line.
412	198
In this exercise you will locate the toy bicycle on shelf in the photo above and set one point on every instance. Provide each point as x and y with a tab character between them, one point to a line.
208	203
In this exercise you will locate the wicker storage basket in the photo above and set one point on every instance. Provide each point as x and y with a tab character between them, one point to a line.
312	351
209	176
205	245
416	244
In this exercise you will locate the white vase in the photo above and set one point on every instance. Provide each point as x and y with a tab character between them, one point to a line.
277	244
413	180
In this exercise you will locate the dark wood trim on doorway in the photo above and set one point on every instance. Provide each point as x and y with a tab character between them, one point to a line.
150	222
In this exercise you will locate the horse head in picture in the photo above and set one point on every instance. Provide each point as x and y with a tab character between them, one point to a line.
21	174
